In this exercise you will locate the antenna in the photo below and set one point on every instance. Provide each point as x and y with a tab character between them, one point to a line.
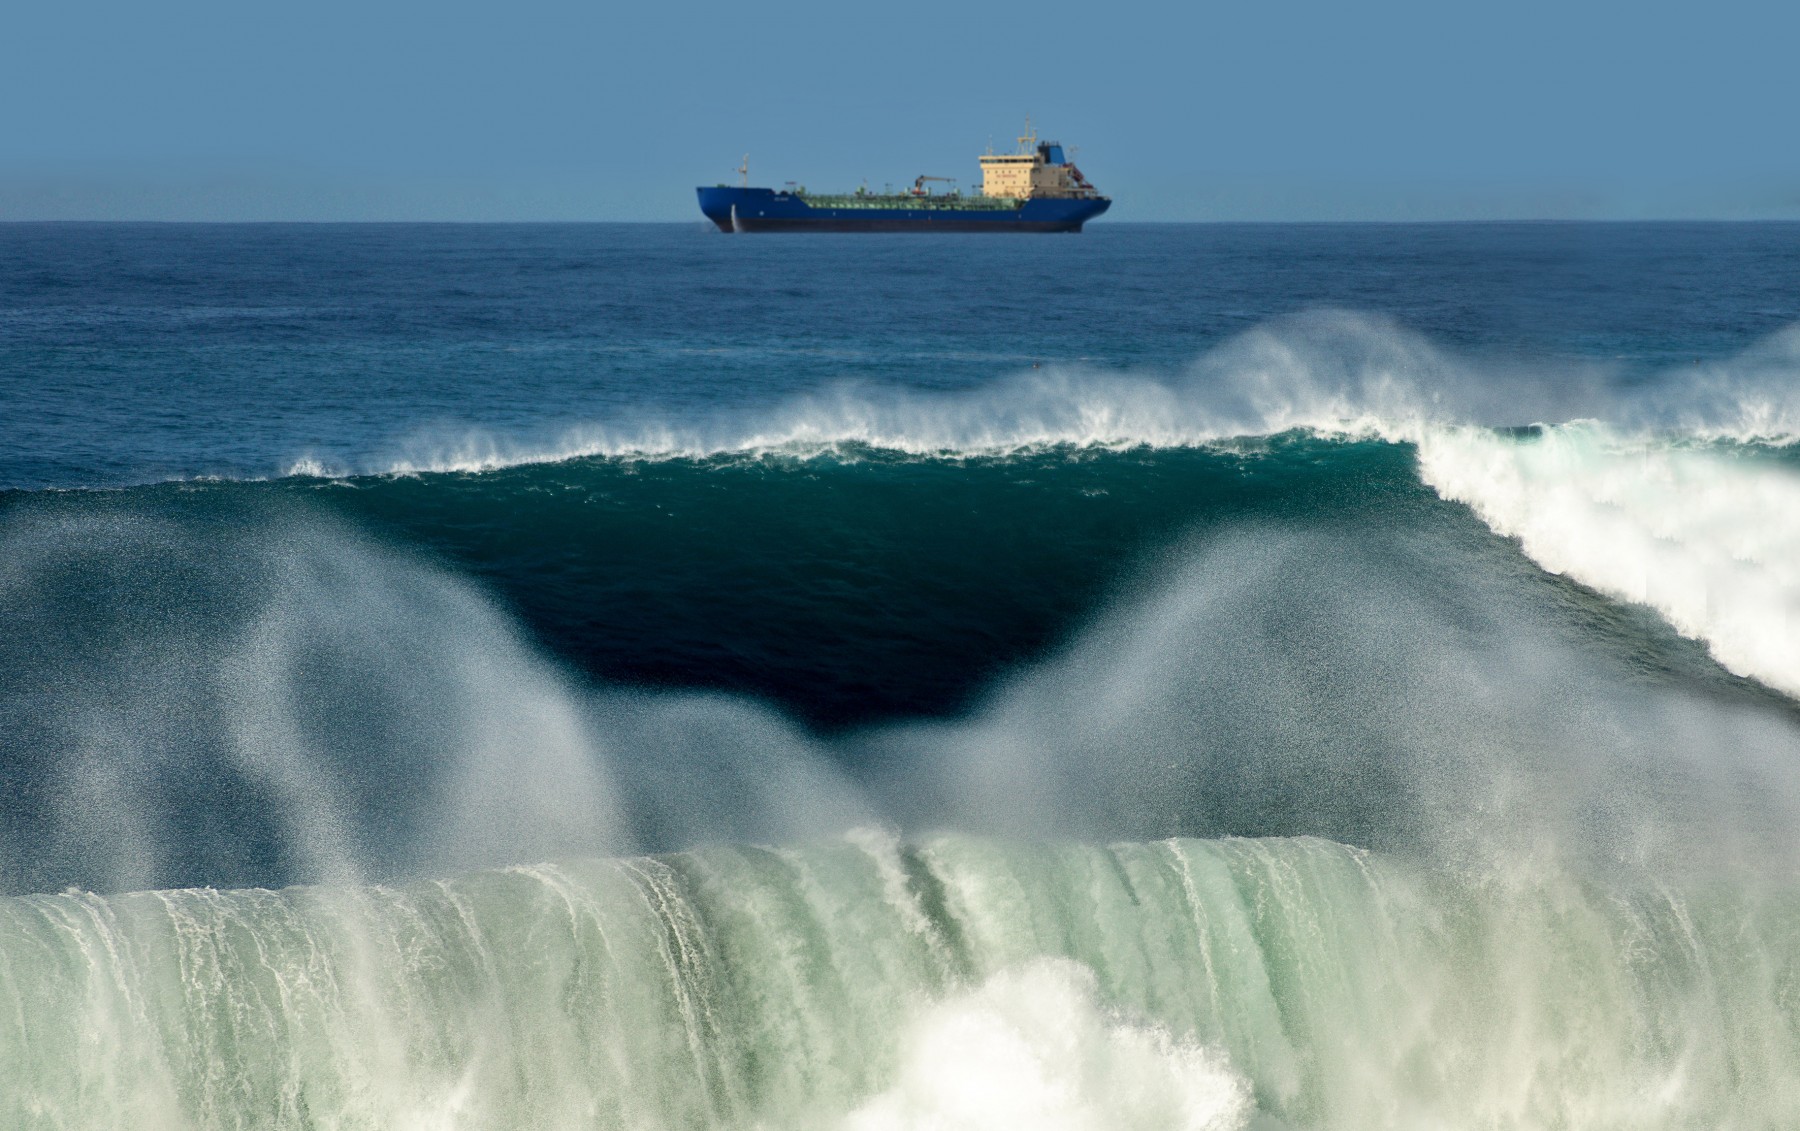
744	170
1029	138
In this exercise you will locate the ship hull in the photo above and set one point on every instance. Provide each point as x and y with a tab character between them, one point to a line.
765	210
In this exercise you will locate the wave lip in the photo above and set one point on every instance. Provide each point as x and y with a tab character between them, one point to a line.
1708	537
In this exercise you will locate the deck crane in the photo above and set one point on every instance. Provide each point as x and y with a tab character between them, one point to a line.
919	189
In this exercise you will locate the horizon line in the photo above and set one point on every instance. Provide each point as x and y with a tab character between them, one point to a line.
1092	224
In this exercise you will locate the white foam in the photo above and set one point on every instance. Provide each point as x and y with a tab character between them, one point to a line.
1034	1048
311	467
1708	537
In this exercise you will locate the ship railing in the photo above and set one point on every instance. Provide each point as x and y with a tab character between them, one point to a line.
915	203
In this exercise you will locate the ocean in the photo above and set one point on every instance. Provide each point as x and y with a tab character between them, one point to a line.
1206	677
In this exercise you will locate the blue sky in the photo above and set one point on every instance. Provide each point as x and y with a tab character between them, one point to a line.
545	109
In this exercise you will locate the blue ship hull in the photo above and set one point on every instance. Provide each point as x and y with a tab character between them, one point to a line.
765	210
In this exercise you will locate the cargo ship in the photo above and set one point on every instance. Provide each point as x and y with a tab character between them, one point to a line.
1036	189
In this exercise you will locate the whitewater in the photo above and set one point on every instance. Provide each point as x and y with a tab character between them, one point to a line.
1342	724
957	983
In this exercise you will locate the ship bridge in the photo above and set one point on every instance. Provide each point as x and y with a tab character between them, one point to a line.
1038	169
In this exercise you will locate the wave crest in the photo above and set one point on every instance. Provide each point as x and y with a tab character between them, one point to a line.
1334	374
1708	537
1328	373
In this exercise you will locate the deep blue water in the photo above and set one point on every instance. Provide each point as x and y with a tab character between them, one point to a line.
132	353
384	553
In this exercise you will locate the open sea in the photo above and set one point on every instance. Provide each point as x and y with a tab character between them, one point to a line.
1200	677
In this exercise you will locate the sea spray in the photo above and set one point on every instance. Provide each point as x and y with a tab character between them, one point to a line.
228	698
1330	373
407	728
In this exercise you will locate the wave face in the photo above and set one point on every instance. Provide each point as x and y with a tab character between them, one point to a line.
551	677
865	984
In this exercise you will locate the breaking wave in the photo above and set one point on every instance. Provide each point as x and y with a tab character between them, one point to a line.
1328	808
863	984
1401	846
1707	536
1331	374
1673	492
